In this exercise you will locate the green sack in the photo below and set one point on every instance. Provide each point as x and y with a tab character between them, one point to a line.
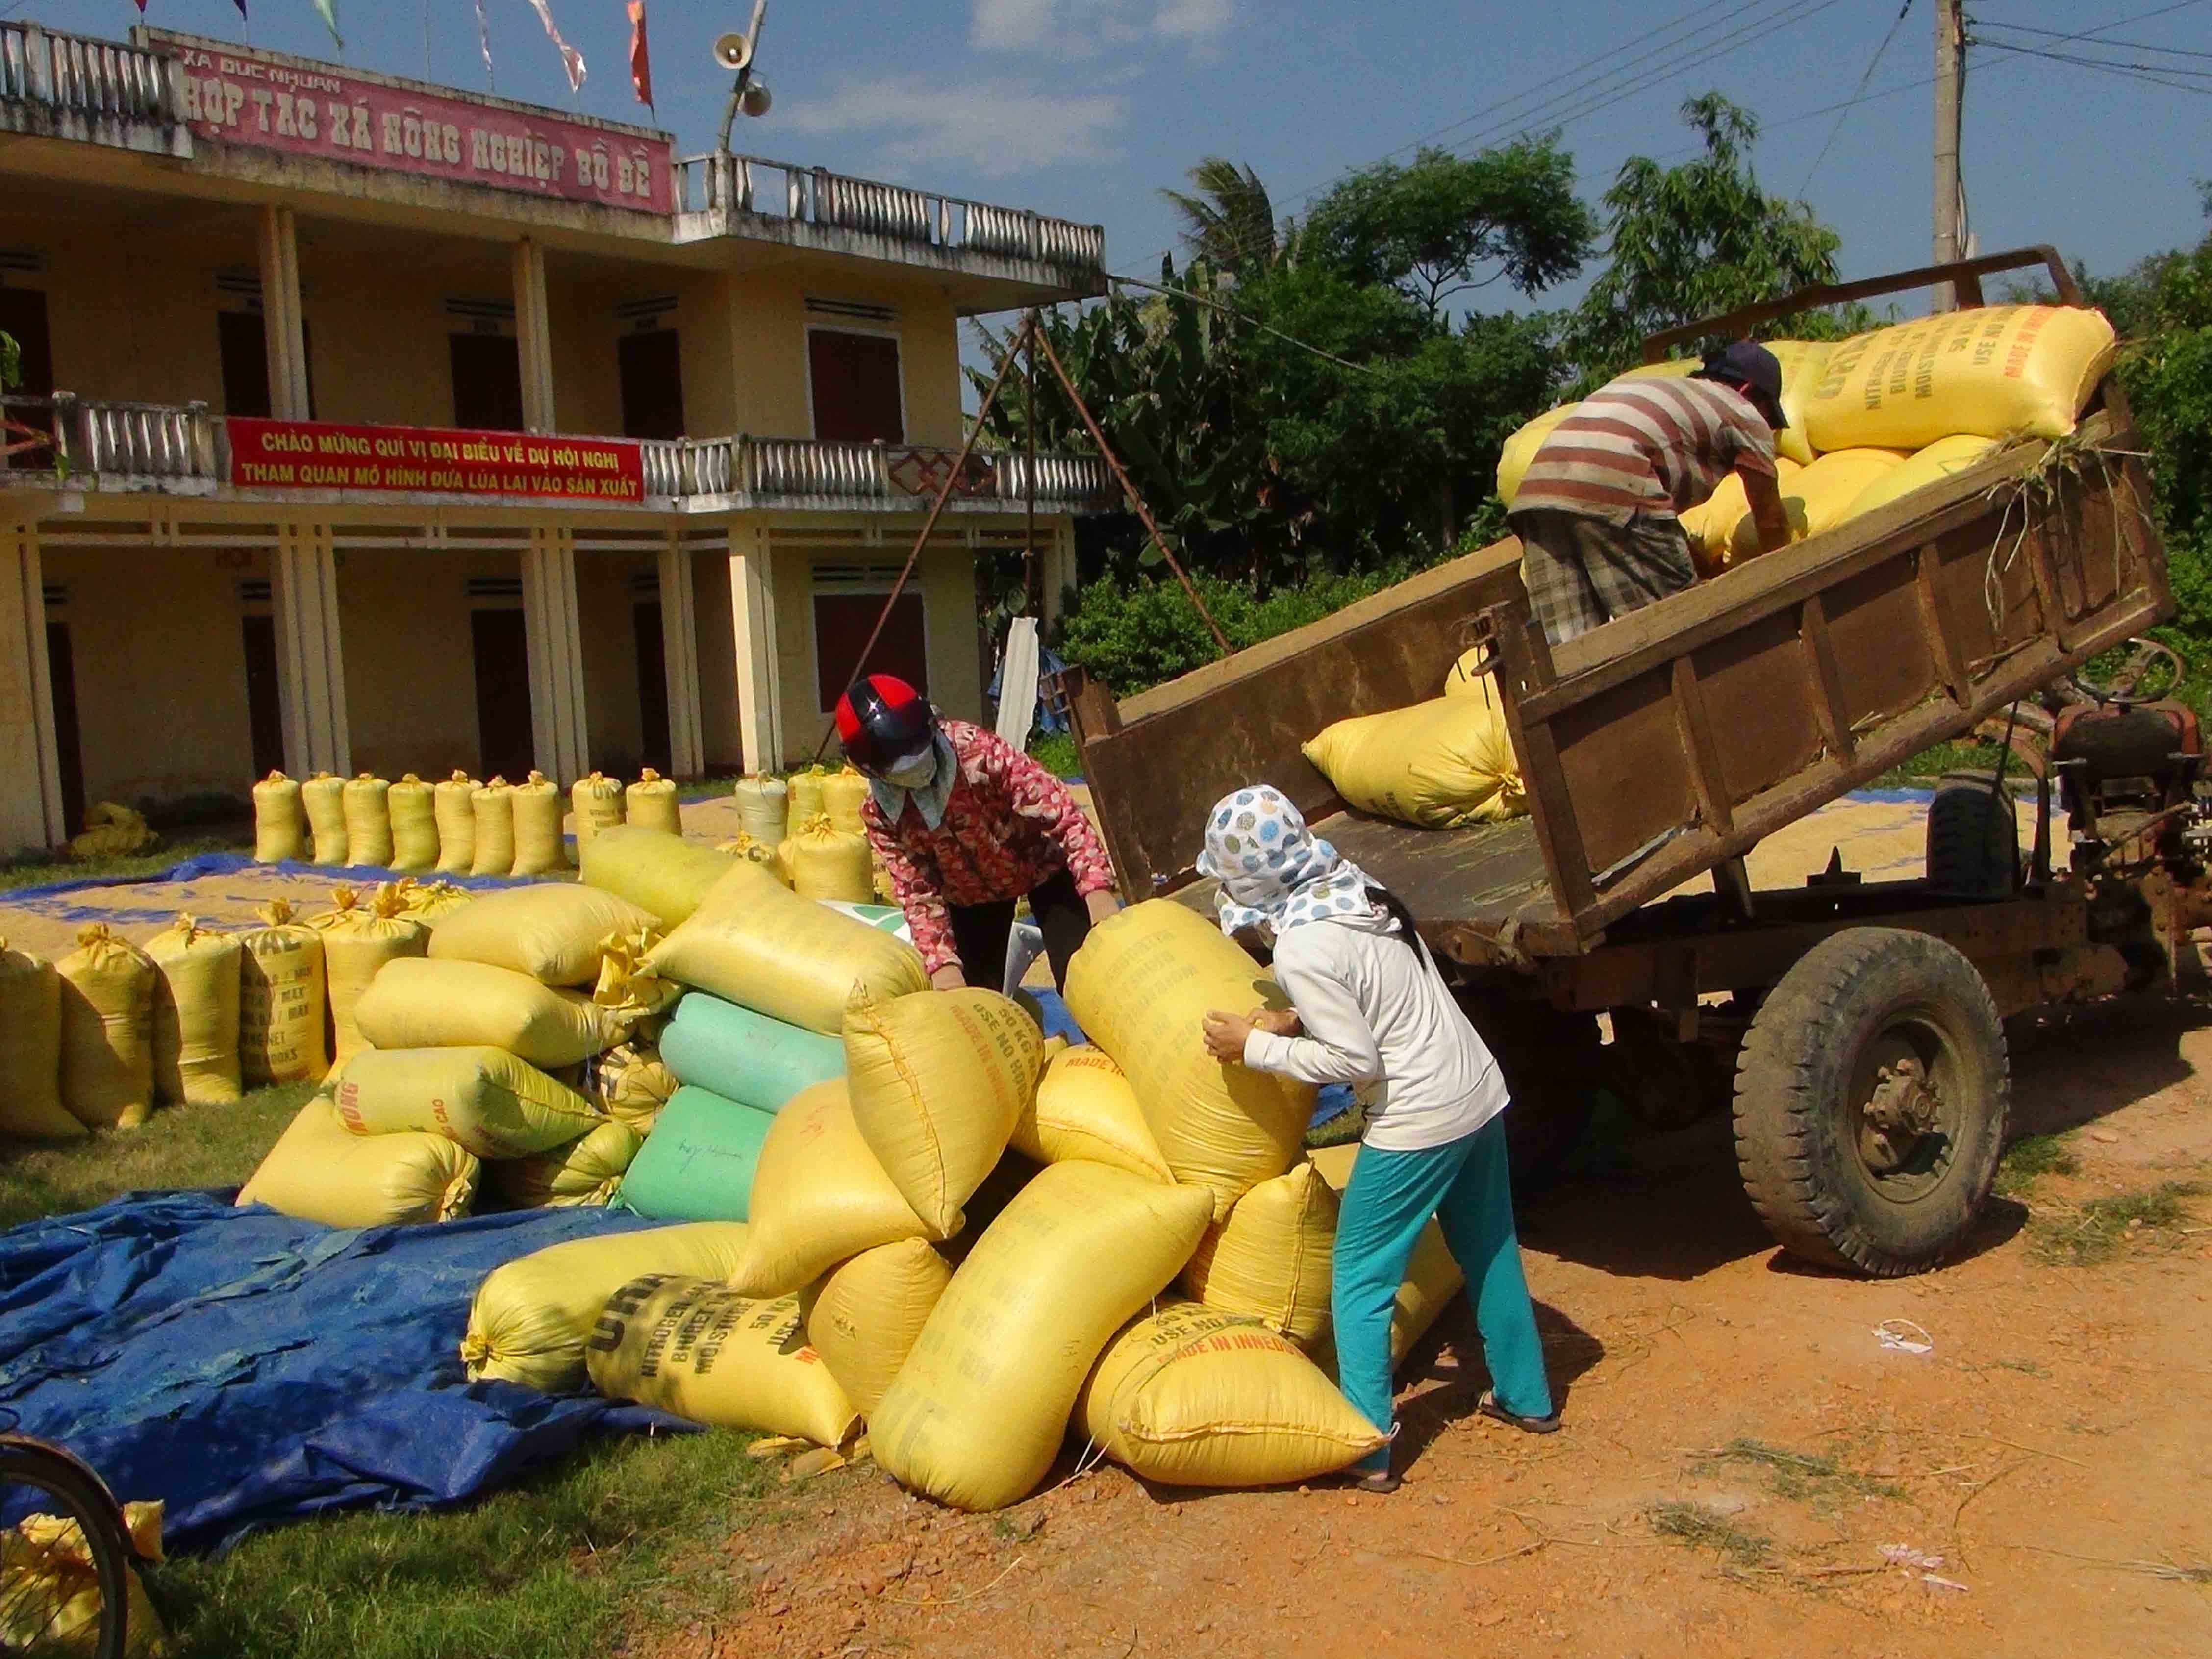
746	1057
697	1164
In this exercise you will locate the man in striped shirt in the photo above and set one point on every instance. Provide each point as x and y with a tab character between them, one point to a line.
1596	510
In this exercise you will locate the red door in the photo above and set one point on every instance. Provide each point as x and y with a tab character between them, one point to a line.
855	379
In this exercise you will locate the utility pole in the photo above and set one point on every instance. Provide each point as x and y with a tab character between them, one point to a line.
1950	86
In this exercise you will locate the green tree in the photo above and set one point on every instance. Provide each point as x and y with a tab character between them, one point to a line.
11	362
1692	240
1444	225
1228	219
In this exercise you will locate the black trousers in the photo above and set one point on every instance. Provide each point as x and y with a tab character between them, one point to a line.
981	932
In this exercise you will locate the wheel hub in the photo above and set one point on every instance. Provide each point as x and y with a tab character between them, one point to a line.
1903	1108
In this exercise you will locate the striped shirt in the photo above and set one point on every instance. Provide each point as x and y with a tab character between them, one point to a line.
1646	446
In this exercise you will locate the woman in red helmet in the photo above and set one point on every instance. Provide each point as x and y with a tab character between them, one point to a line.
965	825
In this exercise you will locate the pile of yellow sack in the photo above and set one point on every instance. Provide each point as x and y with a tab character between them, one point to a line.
976	1245
1442	764
460	827
805	831
50	1593
500	1059
1878	416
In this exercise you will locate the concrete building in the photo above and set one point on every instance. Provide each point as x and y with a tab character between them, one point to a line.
370	424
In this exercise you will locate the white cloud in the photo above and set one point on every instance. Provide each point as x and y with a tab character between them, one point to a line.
1079	28
987	125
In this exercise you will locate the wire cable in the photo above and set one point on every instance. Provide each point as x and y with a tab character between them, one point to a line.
1873	62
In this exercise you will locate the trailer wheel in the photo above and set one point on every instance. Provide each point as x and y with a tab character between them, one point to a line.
1973	838
1870	1102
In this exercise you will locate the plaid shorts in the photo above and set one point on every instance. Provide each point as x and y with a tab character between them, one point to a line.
1582	572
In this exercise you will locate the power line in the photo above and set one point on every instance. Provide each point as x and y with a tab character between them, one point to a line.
1872	63
2126	71
2137	46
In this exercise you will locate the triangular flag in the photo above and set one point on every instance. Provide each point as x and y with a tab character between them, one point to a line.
329	11
241	9
483	43
641	63
571	59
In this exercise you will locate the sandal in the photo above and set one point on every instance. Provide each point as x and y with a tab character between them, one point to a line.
1488	1406
1374	1480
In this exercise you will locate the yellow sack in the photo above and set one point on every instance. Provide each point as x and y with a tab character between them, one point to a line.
418	1004
844	793
1720	527
650	803
31	1051
825	862
432	903
413	806
558	933
319	1170
484	1098
356	943
196	996
630	1084
279	820
282	998
754	943
769	859
1929	465
1141	988
50	1602
586	1172
532	1317
1432	1274
664	875
806	796
818	1196
690	1347
763	808
322	798
107	1031
1470	675
1521	448
369	820
597	803
492	813
1989	370
1803	362
1441	764
1192	1396
866	1316
1270	1261
1084	1109
937	1080
453	803
975	1416
538	812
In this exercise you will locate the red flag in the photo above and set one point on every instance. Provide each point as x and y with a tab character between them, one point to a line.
641	65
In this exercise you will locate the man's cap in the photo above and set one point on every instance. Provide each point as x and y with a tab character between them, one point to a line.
1757	368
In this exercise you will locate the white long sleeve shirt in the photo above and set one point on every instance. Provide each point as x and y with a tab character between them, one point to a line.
1375	1012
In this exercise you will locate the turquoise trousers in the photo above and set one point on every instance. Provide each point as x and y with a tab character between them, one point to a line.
1391	1197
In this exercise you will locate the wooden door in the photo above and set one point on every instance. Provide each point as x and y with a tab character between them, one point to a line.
841	625
264	710
487	382
69	745
242	339
855	379
651	370
505	743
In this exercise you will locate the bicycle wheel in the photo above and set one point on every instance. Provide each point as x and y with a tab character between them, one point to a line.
65	1559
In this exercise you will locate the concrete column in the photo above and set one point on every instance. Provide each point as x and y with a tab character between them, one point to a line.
533	336
30	769
560	736
752	623
281	316
1058	575
311	687
679	652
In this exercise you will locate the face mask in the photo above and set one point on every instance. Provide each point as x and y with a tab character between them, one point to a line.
914	774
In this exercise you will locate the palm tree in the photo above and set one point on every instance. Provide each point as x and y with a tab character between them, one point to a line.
1228	219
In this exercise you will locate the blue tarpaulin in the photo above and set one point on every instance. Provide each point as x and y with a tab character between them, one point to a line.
229	863
249	1368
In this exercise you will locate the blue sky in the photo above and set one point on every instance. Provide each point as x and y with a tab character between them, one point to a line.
1086	107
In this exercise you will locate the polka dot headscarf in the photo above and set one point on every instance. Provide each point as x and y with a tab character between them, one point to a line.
1273	870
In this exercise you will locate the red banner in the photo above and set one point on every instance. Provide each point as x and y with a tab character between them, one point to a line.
268	101
432	461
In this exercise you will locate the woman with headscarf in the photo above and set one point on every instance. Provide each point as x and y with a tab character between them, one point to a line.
1370	1009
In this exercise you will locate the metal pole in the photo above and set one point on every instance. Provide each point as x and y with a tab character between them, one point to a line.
1129	490
1032	569
943	493
1950	74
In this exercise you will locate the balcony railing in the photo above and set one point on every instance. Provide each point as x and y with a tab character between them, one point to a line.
816	196
91	80
98	443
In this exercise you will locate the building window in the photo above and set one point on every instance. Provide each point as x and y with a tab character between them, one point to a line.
842	622
652	373
487	382
242	338
855	379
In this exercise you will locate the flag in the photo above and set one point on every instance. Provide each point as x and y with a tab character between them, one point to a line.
641	64
484	42
329	11
241	9
571	59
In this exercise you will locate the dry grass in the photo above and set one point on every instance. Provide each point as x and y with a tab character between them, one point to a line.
1700	1527
2094	1232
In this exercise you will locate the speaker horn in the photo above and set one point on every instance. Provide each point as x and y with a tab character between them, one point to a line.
734	51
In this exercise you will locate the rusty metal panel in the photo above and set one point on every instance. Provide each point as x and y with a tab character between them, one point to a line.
1761	673
1883	654
1625	770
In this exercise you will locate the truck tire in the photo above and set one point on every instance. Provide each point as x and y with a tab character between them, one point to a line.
1973	838
1870	1102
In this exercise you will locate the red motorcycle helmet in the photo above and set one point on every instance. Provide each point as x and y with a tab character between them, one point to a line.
883	720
